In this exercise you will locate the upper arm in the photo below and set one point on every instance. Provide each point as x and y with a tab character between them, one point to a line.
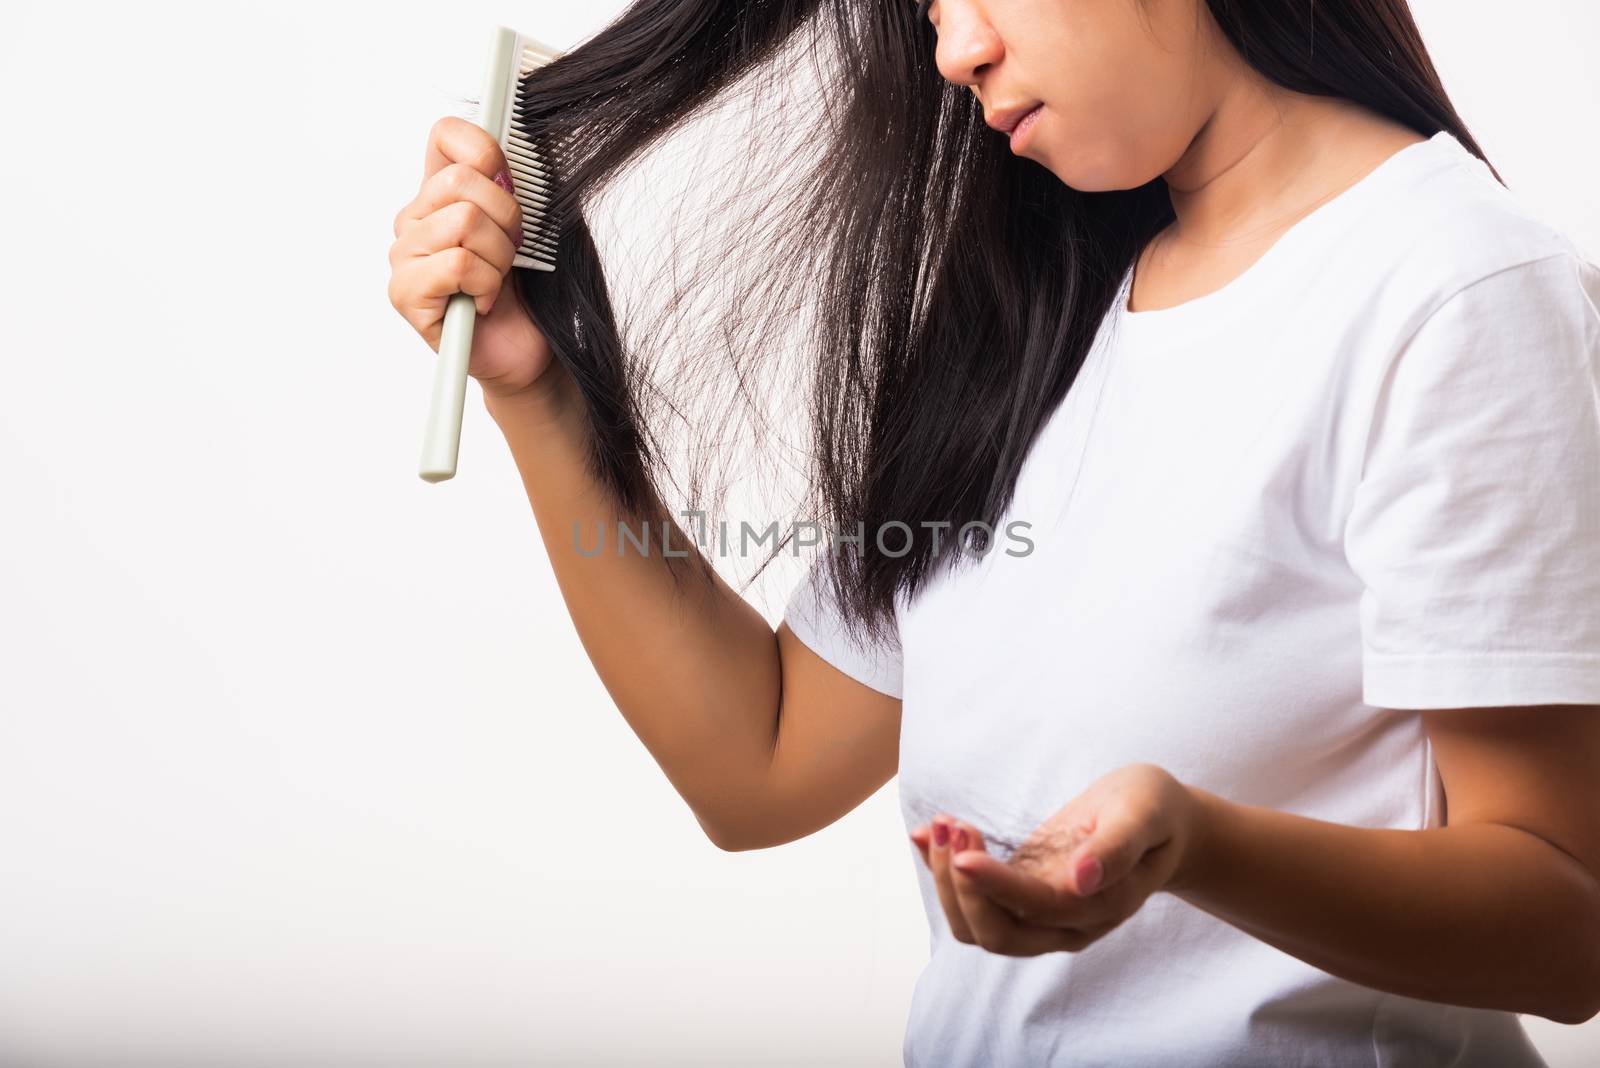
1474	524
838	741
1531	767
838	733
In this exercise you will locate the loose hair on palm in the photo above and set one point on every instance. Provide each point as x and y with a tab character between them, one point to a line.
948	290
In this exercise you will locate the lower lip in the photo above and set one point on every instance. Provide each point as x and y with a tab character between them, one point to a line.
1019	135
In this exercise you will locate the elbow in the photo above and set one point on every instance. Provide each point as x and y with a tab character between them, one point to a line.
738	836
1576	998
729	841
737	845
1572	1019
1578	1006
1579	1002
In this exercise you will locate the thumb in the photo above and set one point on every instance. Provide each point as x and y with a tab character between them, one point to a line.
1110	852
491	301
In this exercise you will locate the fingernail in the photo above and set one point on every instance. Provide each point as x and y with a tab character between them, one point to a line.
1089	875
941	834
960	840
503	180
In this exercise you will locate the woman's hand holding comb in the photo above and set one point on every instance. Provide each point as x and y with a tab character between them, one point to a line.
458	236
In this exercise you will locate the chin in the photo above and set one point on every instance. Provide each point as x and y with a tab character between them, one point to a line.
1092	170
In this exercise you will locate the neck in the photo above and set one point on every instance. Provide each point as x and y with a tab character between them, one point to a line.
1266	157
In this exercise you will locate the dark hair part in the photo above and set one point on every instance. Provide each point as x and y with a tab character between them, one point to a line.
956	288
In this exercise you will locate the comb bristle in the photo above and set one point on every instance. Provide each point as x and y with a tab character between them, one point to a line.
533	170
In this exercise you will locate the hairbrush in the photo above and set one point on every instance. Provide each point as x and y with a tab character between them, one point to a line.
512	56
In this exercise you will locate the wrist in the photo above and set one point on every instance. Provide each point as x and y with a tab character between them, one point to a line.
552	398
1204	814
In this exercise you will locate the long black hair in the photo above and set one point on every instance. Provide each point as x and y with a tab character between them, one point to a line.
954	289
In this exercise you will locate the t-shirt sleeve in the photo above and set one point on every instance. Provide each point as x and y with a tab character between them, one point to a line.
1475	524
814	616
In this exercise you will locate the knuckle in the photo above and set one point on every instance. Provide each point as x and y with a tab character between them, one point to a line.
1147	807
455	179
487	157
461	220
1151	771
458	262
1122	804
442	128
400	298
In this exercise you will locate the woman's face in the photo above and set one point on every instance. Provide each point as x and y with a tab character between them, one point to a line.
1120	87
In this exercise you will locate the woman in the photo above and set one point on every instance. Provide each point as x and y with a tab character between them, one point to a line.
1222	444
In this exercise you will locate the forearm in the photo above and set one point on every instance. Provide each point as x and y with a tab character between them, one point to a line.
694	669
1482	914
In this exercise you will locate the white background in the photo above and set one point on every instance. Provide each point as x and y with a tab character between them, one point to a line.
301	762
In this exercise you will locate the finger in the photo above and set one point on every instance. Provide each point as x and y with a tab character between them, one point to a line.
1024	895
1048	902
964	837
920	837
1122	835
939	862
994	927
991	925
457	140
461	224
457	182
424	283
1008	936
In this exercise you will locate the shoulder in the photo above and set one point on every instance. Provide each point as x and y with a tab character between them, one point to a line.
1455	226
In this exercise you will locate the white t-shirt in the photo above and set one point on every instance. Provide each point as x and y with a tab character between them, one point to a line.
1361	479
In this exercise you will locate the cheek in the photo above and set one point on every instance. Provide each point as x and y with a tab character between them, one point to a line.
1113	117
1119	80
1098	138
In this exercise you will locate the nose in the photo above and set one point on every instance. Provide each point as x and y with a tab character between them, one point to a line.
968	45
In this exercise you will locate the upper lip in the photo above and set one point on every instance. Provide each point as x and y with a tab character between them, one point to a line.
1006	119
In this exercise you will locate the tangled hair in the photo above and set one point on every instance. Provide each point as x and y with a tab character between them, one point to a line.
950	290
